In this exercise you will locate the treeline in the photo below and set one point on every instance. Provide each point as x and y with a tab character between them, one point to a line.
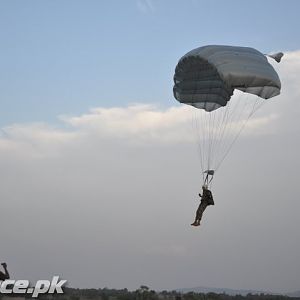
145	293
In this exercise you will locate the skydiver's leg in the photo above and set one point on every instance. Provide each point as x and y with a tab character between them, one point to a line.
199	213
196	223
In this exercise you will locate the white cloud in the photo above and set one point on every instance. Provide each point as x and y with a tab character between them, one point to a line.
137	124
134	121
35	139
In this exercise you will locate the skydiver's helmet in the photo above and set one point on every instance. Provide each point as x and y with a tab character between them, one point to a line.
204	187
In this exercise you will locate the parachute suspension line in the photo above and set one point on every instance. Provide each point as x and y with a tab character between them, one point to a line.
205	126
236	113
217	131
204	138
201	136
222	116
209	138
255	107
225	127
212	138
204	121
208	117
204	133
200	119
216	134
210	126
198	140
234	120
216	121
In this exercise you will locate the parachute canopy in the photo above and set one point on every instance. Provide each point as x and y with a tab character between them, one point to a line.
207	76
210	78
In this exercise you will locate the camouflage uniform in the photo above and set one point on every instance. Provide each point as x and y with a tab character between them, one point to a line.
206	200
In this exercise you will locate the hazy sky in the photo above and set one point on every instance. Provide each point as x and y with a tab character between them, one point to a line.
98	164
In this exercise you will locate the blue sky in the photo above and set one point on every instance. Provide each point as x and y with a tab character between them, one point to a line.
64	57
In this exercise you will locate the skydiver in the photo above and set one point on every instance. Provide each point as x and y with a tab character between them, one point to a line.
5	275
206	200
